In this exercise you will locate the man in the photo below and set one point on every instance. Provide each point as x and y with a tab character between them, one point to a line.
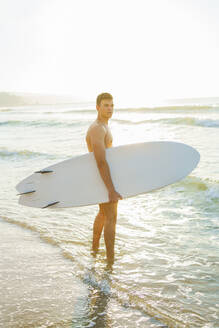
99	138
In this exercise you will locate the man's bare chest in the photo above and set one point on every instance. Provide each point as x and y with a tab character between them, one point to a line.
108	139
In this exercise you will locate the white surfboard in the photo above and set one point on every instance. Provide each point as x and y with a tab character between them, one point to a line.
135	169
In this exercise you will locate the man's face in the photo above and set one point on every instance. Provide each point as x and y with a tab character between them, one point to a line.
106	107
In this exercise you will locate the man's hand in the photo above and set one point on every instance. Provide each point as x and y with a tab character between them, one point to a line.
114	196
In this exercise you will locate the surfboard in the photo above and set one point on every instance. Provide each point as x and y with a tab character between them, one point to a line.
135	169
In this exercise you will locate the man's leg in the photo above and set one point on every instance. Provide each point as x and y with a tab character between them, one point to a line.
97	229
110	211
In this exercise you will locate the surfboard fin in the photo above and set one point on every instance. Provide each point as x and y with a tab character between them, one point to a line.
50	204
26	192
43	171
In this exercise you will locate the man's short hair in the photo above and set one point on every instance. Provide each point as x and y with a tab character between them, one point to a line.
102	96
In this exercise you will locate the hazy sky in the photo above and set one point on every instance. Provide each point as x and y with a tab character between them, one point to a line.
136	50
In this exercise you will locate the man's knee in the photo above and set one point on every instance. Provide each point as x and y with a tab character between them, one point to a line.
101	214
111	217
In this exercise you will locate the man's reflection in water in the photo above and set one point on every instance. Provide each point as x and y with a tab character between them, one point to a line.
98	300
95	314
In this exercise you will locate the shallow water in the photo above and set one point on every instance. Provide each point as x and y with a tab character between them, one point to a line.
167	242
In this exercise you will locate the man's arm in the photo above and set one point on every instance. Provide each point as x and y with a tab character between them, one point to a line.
97	140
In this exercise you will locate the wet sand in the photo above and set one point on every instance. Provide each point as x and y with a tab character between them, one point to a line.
37	287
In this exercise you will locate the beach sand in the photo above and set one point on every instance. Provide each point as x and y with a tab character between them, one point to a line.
38	289
37	283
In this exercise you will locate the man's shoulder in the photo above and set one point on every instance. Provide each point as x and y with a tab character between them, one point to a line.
95	127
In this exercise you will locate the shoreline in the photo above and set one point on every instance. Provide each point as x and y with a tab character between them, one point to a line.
38	288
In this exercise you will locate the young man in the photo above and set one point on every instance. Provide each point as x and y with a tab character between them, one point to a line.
98	138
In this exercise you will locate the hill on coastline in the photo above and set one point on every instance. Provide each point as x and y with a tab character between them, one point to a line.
22	99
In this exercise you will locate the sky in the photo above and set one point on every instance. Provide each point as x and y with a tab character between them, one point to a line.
138	50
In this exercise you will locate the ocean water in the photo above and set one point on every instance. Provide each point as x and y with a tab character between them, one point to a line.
166	271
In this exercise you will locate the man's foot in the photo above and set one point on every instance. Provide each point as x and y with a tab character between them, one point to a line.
110	262
109	268
94	252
